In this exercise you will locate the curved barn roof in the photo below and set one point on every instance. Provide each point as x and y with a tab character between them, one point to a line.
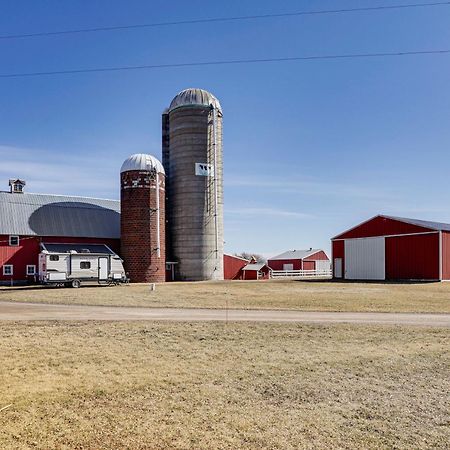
58	215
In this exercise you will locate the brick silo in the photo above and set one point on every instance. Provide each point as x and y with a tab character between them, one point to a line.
143	249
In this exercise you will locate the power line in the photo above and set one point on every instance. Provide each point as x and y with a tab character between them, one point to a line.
224	62
222	19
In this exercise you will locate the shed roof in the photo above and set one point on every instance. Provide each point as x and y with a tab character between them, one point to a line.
58	215
296	254
438	226
421	224
96	249
236	257
254	266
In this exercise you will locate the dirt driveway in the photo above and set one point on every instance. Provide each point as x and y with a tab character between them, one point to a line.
33	311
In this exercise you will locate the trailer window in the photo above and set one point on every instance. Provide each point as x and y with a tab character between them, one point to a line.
85	265
54	257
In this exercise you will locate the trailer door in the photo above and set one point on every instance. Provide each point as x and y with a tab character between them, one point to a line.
103	263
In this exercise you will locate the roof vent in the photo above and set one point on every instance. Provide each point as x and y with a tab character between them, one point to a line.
17	186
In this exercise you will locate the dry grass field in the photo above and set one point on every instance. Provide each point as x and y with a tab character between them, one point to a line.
217	386
299	295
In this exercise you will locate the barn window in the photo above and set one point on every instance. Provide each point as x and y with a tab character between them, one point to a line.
54	257
14	241
31	269
85	265
8	269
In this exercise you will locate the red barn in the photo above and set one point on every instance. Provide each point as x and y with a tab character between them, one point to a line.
232	267
393	248
256	271
26	220
312	259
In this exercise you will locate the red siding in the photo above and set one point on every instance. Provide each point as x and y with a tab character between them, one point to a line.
338	251
412	257
309	265
232	267
277	264
250	275
319	256
28	250
445	255
253	274
381	226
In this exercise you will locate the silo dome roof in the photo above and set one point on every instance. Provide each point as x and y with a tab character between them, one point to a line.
142	161
191	97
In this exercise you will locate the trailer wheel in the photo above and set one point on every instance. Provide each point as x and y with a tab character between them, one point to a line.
76	284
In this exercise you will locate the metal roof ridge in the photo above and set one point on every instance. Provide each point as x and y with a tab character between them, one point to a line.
63	195
418	221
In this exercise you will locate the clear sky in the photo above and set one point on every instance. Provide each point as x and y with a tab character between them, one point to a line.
311	148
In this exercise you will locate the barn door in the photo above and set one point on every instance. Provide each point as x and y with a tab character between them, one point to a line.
365	259
337	267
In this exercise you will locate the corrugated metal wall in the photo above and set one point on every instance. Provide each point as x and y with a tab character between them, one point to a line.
365	259
414	257
309	265
278	264
233	267
445	255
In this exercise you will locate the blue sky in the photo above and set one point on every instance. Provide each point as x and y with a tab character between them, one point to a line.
310	148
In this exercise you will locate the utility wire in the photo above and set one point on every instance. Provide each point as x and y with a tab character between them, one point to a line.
224	62
222	19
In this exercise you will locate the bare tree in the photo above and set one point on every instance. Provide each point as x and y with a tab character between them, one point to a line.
249	256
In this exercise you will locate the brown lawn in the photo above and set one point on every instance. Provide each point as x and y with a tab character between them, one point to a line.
299	295
216	386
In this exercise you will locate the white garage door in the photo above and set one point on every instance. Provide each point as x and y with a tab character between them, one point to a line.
365	259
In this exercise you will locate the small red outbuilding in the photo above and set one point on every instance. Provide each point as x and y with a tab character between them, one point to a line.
256	271
393	248
312	259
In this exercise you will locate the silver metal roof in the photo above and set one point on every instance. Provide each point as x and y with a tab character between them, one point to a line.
142	161
191	97
254	266
296	254
438	226
58	215
83	249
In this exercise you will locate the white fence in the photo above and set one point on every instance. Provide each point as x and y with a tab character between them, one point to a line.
301	273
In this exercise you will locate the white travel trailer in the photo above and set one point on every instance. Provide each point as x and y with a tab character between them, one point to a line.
71	264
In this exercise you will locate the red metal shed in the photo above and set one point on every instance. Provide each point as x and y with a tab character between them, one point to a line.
256	271
393	248
311	259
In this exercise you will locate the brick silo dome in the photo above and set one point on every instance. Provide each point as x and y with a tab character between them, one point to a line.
142	162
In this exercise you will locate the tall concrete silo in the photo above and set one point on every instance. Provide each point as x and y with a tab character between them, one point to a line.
192	158
143	219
